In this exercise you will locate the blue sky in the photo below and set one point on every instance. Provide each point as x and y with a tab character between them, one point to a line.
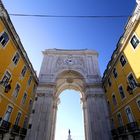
38	34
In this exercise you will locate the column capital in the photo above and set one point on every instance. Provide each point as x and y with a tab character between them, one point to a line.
44	95
93	95
83	103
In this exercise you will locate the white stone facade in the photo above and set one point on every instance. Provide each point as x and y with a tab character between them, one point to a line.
69	69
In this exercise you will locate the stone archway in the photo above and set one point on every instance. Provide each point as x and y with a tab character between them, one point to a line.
69	69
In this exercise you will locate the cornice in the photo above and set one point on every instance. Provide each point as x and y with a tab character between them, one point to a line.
69	52
15	38
131	24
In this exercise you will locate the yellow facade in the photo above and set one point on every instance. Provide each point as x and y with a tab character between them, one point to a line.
12	59
125	108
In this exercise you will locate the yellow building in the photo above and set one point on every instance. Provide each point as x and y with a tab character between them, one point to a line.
18	81
121	81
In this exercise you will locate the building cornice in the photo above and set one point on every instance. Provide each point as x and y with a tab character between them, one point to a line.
69	52
15	38
131	24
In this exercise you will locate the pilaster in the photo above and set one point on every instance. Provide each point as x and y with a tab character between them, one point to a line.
98	123
42	117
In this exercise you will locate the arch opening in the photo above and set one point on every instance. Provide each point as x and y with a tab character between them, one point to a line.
70	116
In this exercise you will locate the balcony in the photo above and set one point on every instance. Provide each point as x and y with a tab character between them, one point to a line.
133	126
121	130
23	132
5	126
15	130
114	132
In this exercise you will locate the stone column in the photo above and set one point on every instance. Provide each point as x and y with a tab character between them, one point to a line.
84	106
98	123
42	118
54	116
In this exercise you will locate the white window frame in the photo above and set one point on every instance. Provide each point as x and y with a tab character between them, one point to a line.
131	39
12	108
113	94
4	84
7	41
115	73
131	114
23	101
138	99
18	91
112	123
124	59
109	82
134	79
23	74
18	117
29	80
123	92
25	123
16	58
119	124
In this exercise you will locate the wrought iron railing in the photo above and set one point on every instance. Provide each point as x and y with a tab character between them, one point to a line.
23	132
114	132
121	130
15	129
133	126
4	126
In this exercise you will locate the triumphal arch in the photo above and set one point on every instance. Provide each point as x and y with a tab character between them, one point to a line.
69	69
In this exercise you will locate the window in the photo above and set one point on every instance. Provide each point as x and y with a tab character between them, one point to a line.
120	122
122	60
138	103
115	73
18	118
24	98
25	124
34	89
129	115
30	104
114	100
109	82
6	79
131	81
134	41
112	123
8	113
29	80
121	92
4	38
23	71
16	91
16	58
109	108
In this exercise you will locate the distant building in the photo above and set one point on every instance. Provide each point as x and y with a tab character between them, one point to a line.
121	81
18	81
